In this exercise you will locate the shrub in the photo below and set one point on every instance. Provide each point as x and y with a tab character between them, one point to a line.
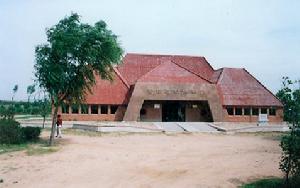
31	133
10	132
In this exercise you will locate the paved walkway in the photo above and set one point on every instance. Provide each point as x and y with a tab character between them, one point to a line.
169	127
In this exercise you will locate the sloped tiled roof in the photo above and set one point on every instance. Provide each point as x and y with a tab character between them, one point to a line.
171	73
135	66
109	92
238	87
235	86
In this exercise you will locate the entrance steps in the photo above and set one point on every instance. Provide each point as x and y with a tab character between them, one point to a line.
185	127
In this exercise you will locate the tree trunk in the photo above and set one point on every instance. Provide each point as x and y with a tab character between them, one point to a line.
44	119
53	125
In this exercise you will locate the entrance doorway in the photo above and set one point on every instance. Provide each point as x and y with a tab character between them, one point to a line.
173	111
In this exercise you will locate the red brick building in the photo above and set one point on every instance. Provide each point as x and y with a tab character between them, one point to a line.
176	88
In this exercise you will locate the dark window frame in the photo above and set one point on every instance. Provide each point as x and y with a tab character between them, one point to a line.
230	111
93	110
254	110
65	109
84	107
75	109
113	109
238	109
264	109
104	109
247	111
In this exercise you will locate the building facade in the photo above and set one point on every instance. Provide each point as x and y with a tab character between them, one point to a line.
176	88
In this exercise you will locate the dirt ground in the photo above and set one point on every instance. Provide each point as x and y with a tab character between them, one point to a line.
141	160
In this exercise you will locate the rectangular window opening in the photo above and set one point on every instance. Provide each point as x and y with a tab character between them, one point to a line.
75	109
113	109
84	109
104	109
263	110
65	109
255	111
230	111
94	109
247	111
238	111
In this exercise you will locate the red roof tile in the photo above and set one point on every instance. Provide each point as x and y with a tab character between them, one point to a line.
135	66
238	87
109	92
172	73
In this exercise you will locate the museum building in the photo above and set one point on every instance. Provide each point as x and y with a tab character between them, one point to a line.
176	88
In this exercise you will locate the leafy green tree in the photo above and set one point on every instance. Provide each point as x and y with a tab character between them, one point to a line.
15	89
30	91
290	144
74	54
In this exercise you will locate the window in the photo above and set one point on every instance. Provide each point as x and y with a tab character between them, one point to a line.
84	109
230	111
246	111
255	111
238	111
272	112
65	109
104	109
263	110
113	109
75	109
94	109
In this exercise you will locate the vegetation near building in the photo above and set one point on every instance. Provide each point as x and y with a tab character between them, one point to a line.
74	53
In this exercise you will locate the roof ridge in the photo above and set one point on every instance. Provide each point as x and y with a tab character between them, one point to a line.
150	71
262	85
169	55
121	77
191	72
221	74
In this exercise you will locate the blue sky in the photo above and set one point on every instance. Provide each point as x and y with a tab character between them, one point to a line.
261	36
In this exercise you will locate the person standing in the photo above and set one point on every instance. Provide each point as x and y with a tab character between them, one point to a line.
58	126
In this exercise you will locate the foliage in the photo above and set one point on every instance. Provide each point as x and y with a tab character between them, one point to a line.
31	133
290	98
37	107
74	53
30	91
290	144
265	183
10	132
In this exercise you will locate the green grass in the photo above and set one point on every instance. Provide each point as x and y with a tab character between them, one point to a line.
4	148
41	150
265	183
33	148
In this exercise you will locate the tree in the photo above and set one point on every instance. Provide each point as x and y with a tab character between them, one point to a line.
30	91
44	108
15	89
74	54
290	144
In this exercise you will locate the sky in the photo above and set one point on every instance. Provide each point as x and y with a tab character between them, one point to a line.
261	36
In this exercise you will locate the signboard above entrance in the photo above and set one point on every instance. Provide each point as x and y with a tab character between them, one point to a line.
181	92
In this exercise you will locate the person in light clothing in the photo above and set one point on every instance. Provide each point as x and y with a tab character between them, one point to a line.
58	126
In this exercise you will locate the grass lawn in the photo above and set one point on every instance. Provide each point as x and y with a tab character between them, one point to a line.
272	183
32	148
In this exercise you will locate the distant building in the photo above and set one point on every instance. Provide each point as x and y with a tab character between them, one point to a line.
176	88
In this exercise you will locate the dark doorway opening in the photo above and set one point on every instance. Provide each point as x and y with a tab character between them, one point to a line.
173	111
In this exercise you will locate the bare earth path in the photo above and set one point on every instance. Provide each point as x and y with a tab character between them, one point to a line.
140	160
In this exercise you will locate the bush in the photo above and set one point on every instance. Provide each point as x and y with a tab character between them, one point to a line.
265	183
10	132
31	133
